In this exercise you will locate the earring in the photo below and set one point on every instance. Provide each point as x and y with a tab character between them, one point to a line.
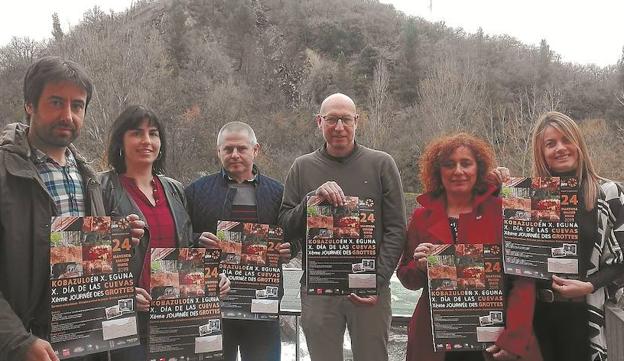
159	155
121	152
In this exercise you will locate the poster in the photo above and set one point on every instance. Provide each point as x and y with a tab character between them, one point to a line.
466	296
250	259
540	235
92	289
185	317
340	247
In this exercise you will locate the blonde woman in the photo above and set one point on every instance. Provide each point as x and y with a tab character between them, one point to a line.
569	314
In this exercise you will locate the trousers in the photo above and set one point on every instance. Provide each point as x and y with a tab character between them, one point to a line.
324	319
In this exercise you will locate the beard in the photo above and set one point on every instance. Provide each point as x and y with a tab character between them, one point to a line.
51	135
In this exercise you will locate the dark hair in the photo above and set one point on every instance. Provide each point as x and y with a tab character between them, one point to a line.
53	69
131	118
441	149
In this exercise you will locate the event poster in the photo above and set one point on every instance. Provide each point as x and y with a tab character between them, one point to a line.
250	259
340	247
92	288
185	317
466	296
539	230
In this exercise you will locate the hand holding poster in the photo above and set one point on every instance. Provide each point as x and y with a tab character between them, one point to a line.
250	259
92	287
540	234
341	249
466	296
185	318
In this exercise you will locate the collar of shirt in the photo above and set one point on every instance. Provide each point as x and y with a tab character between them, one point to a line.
252	180
40	157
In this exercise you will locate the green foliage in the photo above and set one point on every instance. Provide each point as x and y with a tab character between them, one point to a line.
156	266
433	260
335	39
56	239
312	211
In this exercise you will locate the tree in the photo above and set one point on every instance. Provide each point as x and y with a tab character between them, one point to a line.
379	117
57	32
177	44
543	65
408	69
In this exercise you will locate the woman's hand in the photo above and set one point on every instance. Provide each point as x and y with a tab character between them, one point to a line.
224	285
209	240
143	299
498	176
571	288
420	255
496	353
137	228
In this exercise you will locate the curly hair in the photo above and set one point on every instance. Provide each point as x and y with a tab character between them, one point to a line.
440	150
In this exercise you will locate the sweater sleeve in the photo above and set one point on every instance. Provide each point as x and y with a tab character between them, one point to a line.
393	222
293	209
516	337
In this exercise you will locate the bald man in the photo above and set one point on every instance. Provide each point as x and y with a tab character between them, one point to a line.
342	166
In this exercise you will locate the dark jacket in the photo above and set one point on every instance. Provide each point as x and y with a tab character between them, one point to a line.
25	211
117	202
483	225
210	199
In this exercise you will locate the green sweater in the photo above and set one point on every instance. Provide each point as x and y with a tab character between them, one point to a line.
366	173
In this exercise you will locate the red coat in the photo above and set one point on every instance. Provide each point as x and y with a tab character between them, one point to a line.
430	224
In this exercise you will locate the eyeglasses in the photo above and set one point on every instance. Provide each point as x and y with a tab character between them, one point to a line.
347	120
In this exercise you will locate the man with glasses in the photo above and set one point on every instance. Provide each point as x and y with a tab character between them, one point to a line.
344	167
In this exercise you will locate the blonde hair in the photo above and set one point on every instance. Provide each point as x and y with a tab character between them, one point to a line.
587	177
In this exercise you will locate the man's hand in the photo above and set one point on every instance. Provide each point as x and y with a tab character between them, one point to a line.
363	301
40	350
143	299
284	252
208	240
331	192
496	353
224	285
420	254
571	288
137	228
498	176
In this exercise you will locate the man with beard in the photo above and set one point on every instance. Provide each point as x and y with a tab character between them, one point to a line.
42	175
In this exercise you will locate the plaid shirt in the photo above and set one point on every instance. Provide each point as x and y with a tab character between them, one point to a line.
64	183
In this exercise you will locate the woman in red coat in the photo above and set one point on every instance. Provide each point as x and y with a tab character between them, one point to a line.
460	207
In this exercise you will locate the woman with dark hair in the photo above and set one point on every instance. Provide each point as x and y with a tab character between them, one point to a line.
459	206
136	152
569	315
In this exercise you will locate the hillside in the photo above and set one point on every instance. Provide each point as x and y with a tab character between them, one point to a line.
201	63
